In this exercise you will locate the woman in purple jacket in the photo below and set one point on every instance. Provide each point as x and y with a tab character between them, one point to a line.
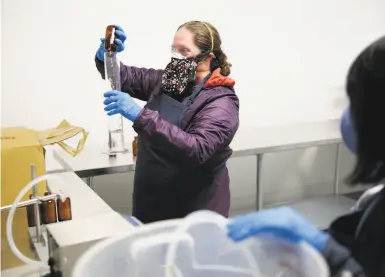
185	128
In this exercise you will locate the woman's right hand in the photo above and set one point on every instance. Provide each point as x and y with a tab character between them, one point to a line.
120	38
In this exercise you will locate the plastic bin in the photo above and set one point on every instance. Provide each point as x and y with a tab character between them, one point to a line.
197	246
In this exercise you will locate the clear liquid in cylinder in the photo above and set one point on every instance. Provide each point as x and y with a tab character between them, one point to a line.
116	143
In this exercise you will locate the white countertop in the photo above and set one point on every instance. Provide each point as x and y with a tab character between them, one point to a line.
247	141
84	201
52	165
24	271
89	229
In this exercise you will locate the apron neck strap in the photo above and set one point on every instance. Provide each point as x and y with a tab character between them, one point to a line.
198	89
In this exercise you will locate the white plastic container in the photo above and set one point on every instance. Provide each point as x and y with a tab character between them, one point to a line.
197	246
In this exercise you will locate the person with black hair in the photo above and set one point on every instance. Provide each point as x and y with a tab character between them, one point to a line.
354	245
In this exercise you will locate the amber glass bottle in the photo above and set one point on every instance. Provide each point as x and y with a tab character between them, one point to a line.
109	42
49	210
135	147
64	209
31	214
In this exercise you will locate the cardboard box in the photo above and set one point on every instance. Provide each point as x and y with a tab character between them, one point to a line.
20	148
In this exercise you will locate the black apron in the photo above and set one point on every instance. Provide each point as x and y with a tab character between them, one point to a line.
165	188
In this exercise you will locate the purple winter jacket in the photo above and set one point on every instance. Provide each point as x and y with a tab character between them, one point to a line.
208	126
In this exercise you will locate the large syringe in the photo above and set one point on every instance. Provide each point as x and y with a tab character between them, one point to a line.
116	143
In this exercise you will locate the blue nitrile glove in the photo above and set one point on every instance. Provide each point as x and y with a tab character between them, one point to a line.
348	132
120	38
118	102
284	222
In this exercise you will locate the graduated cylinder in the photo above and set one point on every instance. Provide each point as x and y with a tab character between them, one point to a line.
116	143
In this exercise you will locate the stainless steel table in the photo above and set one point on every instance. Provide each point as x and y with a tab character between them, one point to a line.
263	140
93	162
247	142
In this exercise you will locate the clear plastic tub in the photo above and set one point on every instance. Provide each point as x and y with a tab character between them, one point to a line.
197	246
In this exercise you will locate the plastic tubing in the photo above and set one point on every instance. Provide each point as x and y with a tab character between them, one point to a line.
11	214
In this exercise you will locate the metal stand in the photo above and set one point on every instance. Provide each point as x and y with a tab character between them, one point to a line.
89	181
30	202
337	169
36	200
259	191
36	205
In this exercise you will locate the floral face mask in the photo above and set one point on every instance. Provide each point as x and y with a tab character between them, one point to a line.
177	75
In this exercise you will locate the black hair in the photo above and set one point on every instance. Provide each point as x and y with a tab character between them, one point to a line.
365	86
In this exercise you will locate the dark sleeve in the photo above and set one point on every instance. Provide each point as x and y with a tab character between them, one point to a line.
212	128
140	83
340	260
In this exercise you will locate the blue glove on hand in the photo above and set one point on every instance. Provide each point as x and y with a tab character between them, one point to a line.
120	38
282	222
118	102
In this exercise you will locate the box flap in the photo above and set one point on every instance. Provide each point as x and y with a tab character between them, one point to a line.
61	133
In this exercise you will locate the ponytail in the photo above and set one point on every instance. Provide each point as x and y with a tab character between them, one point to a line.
223	63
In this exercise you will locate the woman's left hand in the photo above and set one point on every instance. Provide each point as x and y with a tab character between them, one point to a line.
283	222
118	102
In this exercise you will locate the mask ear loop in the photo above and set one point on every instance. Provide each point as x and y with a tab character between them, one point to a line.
200	57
